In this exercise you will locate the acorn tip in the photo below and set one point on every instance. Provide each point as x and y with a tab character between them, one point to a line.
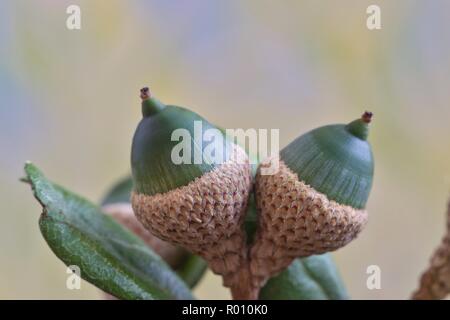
367	117
145	93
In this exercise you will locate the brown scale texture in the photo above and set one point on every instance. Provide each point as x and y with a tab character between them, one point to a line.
206	216
123	213
435	281
296	221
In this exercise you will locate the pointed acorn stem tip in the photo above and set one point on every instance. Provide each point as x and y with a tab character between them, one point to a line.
360	127
150	105
367	117
145	93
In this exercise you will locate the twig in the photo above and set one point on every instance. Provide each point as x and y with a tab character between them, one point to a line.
435	281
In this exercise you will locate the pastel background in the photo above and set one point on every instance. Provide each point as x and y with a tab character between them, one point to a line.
69	102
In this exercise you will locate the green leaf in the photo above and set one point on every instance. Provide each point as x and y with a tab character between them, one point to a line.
192	268
251	218
119	193
108	255
312	278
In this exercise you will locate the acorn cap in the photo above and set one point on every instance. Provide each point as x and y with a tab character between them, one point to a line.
206	216
335	160
153	169
295	220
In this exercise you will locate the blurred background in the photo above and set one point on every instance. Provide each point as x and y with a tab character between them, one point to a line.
69	102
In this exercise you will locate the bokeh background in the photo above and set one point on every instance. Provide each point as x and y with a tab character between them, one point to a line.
69	102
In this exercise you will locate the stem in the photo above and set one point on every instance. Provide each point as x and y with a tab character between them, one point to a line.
367	117
243	288
145	93
435	281
150	105
360	127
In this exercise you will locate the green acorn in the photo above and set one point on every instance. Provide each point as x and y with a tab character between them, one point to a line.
315	201
195	196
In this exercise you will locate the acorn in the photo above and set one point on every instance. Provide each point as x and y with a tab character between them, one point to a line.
315	201
123	214
197	203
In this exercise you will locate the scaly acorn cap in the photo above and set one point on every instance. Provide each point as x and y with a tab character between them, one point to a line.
435	281
314	203
198	206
